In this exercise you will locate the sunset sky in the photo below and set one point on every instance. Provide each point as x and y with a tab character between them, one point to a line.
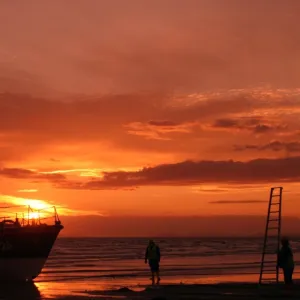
151	117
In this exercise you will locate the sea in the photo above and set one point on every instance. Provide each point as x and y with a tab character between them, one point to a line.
78	265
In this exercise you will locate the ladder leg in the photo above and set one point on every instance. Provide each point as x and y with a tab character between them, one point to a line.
265	238
279	232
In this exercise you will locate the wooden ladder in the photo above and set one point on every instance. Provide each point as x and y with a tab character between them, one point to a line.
269	273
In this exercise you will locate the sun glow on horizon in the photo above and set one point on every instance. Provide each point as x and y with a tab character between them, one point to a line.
41	209
35	204
34	215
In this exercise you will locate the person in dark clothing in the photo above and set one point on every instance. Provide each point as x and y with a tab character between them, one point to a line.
152	256
286	261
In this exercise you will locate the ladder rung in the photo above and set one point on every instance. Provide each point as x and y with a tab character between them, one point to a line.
273	220
269	279
271	228
277	187
275	195
273	212
269	271
275	203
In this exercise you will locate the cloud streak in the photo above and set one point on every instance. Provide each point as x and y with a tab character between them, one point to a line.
18	173
193	173
275	146
160	130
236	201
255	124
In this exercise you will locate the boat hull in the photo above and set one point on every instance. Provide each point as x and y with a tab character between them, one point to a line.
24	251
21	269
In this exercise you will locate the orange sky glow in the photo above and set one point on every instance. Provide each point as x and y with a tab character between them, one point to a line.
151	117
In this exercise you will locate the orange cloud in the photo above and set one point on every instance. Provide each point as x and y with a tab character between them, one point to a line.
160	130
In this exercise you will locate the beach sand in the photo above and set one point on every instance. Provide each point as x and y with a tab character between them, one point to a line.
227	291
214	291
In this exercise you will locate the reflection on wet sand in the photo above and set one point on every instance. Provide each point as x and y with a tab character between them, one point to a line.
177	291
59	289
28	291
85	287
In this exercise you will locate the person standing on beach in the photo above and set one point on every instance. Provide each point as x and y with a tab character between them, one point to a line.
152	256
286	261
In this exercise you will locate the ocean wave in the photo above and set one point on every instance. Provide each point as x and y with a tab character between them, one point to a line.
73	259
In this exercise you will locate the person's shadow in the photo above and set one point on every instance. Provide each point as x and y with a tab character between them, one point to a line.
16	291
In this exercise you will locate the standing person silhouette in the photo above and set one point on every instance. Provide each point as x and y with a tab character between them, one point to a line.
286	261
152	256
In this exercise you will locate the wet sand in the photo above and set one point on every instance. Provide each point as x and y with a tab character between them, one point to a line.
214	291
227	291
